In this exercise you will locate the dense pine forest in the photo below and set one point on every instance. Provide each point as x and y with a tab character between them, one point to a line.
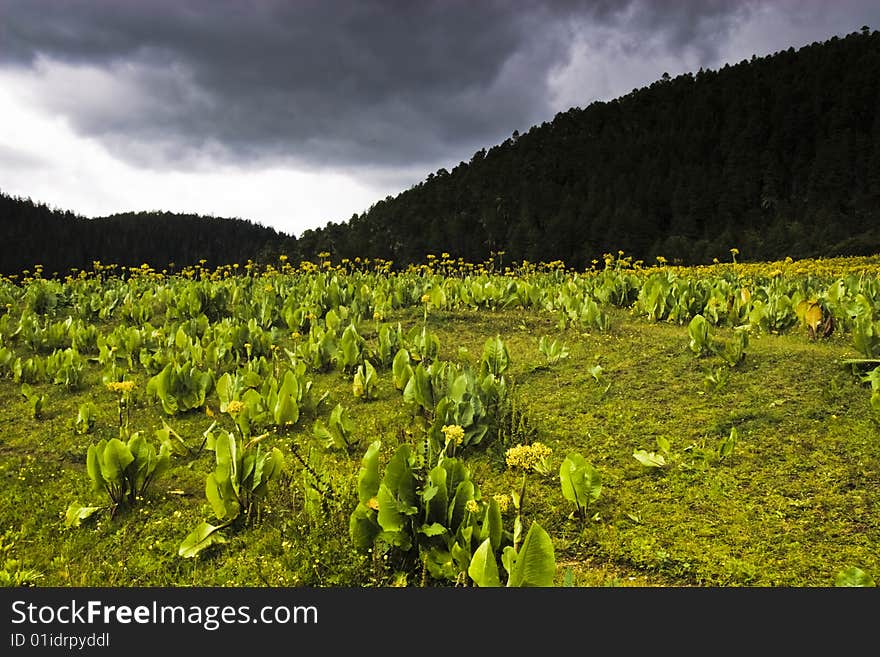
777	156
60	240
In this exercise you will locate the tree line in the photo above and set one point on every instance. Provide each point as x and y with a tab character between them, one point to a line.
60	241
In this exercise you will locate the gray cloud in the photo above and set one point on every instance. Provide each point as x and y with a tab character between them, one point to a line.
375	84
16	159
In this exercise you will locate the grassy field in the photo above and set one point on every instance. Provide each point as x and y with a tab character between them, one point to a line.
770	471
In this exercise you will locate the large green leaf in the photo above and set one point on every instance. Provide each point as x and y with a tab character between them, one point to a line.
322	433
76	513
508	559
250	469
461	554
535	563
226	507
160	386
226	457
399	477
458	388
143	463
331	319
363	528
592	483
266	467
364	384
390	518
434	529
437	297
202	537
203	382
649	459
224	391
464	492
273	465
580	481
493	526
699	331
93	465
864	336
418	389
853	576
440	563
114	460
368	475
456	472
495	358
285	407
163	460
401	370
436	496
181	339
483	568
286	410
349	348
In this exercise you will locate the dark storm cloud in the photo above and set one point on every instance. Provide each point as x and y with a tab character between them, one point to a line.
369	83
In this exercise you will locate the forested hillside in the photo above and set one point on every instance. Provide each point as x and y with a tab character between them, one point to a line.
777	156
61	240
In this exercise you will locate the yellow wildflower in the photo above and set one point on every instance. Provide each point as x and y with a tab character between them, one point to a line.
121	386
454	434
503	501
472	506
234	407
529	457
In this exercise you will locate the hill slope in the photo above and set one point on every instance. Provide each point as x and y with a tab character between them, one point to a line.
61	240
778	156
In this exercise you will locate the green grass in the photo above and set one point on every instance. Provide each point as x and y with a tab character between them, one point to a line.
796	502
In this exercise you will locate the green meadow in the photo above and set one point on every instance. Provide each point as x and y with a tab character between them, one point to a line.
449	425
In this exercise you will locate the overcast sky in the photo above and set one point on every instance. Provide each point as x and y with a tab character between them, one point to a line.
295	113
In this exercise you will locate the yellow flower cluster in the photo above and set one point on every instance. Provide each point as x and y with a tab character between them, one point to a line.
121	386
472	506
454	433
503	502
529	457
234	407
